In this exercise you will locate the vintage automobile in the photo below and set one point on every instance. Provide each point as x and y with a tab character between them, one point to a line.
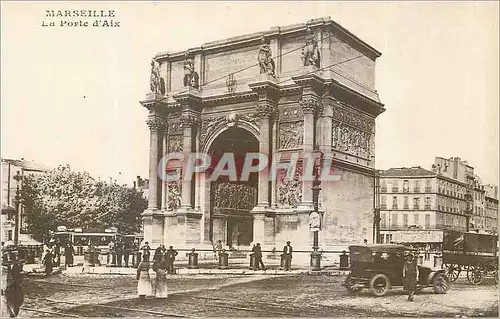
380	267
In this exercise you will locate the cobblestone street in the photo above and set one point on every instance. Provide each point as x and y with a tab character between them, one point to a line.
245	296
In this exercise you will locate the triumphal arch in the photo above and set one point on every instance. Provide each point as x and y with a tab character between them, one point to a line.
294	89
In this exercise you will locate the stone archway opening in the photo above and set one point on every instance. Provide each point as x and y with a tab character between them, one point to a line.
232	201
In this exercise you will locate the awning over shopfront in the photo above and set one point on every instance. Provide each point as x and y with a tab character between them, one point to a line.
418	236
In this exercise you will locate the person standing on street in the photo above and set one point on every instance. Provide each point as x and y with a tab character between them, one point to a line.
47	261
161	266
146	251
69	252
170	257
257	255
287	255
14	292
144	285
410	275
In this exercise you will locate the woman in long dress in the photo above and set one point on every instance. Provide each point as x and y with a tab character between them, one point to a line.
161	278
144	286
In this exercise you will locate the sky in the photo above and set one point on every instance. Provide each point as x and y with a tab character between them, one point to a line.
70	95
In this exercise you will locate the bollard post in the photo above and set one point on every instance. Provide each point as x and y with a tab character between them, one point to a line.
252	261
223	260
193	259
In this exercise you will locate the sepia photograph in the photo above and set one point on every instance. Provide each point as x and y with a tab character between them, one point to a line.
249	159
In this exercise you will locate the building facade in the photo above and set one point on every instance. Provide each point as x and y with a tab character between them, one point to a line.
11	167
491	209
290	90
416	204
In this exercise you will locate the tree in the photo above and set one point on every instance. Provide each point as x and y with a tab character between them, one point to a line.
72	199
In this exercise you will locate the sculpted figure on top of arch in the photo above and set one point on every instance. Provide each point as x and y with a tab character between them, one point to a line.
156	82
265	59
310	52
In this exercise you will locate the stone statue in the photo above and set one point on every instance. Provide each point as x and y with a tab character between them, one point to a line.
314	221
265	59
156	82
191	77
310	53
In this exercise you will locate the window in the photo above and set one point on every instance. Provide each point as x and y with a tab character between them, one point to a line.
417	186
428	187
388	238
416	203
395	187
9	235
383	220
383	186
415	219
427	221
427	203
395	202
405	205
394	221
405	220
383	202
406	187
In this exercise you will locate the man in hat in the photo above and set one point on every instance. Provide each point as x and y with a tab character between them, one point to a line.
13	292
257	255
287	255
410	275
170	258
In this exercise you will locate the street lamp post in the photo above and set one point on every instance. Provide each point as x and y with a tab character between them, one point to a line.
17	200
315	219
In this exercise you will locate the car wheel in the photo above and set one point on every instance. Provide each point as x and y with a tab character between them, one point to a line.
440	283
380	284
350	285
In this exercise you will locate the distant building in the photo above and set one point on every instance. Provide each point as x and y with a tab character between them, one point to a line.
491	209
417	204
10	167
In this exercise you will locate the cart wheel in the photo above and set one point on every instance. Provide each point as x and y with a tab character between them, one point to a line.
452	271
380	284
350	285
440	283
475	274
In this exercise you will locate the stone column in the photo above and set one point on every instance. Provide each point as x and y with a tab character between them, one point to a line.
156	127
189	122
164	200
312	86
268	96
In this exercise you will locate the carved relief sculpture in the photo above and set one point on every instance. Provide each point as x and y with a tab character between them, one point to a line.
211	125
310	53
191	77
265	59
350	140
175	143
290	190
189	120
235	196
174	195
156	82
291	135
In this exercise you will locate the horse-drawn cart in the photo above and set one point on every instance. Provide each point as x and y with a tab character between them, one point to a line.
472	252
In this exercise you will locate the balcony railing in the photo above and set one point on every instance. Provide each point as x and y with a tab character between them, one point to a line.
394	206
383	206
427	206
395	189
416	190
406	190
416	206
383	189
428	189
